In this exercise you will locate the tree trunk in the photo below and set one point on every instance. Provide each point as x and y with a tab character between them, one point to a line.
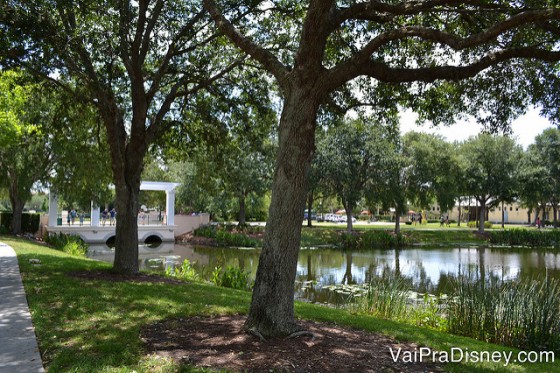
481	216
348	208
503	215
126	230
242	218
538	210
459	214
272	306
127	162
17	212
349	223
399	208
309	208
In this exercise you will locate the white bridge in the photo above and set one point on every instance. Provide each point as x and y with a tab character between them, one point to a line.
158	226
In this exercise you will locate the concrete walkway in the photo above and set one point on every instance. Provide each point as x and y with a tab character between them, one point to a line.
19	352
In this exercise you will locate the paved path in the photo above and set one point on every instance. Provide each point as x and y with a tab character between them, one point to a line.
18	345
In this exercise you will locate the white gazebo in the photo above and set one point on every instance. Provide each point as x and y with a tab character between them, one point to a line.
168	188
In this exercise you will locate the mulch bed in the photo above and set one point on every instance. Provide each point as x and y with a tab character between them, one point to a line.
220	343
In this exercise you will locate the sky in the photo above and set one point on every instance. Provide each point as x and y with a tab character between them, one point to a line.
525	128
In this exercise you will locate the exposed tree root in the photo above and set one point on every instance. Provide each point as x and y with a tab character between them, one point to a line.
301	333
256	333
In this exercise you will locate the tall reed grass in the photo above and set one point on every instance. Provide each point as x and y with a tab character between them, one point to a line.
372	239
388	297
521	313
526	237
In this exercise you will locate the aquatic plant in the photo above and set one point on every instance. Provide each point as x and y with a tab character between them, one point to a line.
521	313
526	237
231	277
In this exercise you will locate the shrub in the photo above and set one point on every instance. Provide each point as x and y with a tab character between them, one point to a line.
29	222
229	234
348	241
382	217
185	271
206	230
231	277
473	224
383	239
69	244
526	237
224	238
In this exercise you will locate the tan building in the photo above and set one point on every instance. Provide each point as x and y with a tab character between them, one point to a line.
514	213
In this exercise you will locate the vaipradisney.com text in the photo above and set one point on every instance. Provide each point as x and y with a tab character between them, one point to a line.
464	355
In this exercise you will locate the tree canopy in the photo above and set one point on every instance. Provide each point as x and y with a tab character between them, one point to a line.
490	172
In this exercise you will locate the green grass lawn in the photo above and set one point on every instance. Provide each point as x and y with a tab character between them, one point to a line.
93	326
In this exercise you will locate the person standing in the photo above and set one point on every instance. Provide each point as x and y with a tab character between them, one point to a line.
113	215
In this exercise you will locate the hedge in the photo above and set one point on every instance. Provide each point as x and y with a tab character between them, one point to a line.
29	222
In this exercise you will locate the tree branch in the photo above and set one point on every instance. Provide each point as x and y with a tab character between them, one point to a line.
269	61
155	127
384	73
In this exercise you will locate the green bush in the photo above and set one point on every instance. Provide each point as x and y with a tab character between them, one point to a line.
224	238
371	239
206	230
185	271
526	237
377	238
231	277
229	234
348	241
29	222
382	217
473	224
69	244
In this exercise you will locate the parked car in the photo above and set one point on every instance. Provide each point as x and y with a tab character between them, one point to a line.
344	219
313	216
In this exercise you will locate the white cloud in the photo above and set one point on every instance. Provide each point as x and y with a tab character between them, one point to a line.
525	128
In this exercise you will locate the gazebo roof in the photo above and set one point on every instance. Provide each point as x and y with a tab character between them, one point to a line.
158	185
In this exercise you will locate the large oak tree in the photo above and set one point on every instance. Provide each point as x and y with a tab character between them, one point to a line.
393	51
139	62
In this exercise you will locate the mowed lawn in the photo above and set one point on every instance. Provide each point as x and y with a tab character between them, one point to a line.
94	326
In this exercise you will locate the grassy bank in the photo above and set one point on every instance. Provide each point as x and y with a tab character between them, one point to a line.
93	326
335	235
331	236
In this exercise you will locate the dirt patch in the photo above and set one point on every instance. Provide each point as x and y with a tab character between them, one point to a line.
219	342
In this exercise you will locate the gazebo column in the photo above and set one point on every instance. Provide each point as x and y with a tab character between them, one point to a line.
170	206
94	214
53	210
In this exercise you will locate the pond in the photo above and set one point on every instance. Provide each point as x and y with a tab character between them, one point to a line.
424	269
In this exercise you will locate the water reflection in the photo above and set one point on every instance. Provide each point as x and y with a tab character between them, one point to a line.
423	269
